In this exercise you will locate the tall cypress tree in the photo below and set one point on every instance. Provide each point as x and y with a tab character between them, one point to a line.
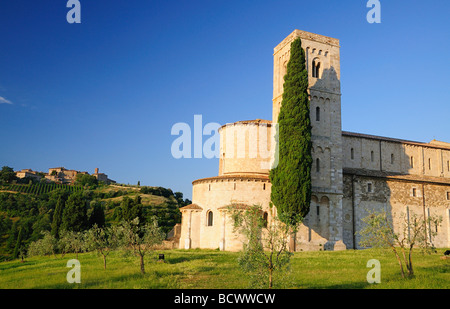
97	215
19	243
57	217
291	178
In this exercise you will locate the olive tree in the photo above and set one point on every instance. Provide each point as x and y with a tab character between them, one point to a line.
378	231
47	245
140	239
102	240
265	250
71	241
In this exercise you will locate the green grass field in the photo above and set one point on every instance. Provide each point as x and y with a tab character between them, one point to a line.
211	269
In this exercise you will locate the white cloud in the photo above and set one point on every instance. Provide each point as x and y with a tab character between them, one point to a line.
5	101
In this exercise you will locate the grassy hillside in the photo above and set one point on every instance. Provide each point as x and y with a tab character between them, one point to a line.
216	269
29	208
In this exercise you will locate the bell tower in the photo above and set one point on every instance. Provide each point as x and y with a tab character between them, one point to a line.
324	221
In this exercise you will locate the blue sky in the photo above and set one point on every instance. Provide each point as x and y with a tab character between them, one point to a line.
105	93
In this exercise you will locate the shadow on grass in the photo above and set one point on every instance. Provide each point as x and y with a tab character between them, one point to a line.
172	259
17	264
442	269
343	286
98	283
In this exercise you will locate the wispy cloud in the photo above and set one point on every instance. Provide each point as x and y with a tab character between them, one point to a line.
5	101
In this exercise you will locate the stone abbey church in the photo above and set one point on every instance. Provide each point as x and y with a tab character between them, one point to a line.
351	172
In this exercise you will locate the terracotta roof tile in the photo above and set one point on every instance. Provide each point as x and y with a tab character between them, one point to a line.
191	207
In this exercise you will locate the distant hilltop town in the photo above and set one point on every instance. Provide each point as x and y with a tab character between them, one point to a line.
60	175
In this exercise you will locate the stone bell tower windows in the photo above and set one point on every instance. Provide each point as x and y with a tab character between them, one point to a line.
316	68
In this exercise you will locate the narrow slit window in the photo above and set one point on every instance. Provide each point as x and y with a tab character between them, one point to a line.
392	158
369	187
352	153
414	192
318	165
317	113
209	218
372	157
412	162
429	163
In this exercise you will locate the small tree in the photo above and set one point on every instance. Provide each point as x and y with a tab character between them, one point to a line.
139	240
47	245
102	240
86	180
7	174
265	251
71	241
379	232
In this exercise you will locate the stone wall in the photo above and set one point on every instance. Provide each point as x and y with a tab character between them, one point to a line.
399	197
245	147
395	156
213	195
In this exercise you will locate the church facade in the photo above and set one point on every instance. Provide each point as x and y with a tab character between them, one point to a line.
351	174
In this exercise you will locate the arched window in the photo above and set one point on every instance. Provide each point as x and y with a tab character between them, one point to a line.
316	68
265	218
284	69
317	113
209	218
